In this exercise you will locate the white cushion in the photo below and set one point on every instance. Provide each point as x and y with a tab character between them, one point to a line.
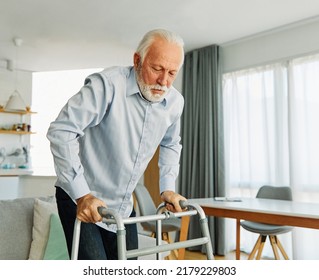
41	227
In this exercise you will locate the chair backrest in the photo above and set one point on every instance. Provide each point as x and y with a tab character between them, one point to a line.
144	200
271	192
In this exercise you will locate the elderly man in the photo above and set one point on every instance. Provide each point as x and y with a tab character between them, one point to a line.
105	136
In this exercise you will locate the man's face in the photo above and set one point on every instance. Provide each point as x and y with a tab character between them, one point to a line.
159	69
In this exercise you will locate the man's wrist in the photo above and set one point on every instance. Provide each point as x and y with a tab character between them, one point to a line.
83	197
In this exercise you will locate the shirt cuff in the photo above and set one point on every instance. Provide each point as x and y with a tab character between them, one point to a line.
77	188
167	184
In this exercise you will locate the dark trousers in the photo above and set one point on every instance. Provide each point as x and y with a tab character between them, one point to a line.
96	243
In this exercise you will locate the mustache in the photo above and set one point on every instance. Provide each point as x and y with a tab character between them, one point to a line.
157	87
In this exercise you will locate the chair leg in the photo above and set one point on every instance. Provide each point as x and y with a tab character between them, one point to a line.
259	246
166	237
256	246
273	243
281	248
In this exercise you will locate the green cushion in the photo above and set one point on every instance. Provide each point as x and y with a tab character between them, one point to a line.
56	248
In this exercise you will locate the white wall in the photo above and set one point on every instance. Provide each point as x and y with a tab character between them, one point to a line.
287	42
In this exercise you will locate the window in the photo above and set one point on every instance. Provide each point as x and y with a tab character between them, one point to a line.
303	125
270	115
271	137
255	112
50	91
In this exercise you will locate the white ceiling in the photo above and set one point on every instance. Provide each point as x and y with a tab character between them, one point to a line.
70	34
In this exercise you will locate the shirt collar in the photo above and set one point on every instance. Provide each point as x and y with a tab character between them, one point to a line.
132	88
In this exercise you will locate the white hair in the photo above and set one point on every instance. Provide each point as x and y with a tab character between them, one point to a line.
150	36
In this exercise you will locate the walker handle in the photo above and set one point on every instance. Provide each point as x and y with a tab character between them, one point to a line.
182	203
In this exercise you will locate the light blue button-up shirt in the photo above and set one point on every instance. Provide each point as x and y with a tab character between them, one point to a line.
106	134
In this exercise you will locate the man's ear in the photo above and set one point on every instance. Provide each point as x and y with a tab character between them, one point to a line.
137	60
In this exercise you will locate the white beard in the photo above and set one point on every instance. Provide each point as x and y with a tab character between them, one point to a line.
147	93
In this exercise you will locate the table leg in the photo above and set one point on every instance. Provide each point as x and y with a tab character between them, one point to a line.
237	239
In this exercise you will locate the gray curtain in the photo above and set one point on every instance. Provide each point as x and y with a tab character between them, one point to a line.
202	159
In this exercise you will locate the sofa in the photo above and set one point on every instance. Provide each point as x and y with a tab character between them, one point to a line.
30	229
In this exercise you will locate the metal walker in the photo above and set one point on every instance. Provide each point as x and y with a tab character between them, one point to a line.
111	217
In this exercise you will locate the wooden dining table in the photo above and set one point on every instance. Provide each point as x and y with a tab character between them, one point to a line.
271	211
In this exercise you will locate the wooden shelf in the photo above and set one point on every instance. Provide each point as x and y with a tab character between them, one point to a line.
3	131
16	112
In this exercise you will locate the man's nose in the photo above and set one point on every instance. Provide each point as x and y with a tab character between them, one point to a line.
163	79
